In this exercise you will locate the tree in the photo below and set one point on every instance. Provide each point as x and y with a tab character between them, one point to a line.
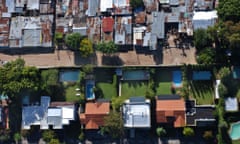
50	84
48	135
222	90
73	40
107	47
16	77
54	141
229	10
208	135
86	47
187	131
49	78
206	56
117	102
201	39
160	131
136	3
58	37
17	137
113	124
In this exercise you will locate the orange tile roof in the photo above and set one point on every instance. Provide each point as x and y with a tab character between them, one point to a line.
94	114
171	108
107	24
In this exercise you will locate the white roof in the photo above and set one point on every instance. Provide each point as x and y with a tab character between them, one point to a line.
231	104
105	4
54	112
33	4
68	113
137	114
202	15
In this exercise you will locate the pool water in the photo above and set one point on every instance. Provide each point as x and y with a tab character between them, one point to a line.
177	78
89	90
236	72
201	75
235	131
136	75
69	76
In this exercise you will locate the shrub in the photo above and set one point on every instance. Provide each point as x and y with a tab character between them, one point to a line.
187	131
208	135
161	131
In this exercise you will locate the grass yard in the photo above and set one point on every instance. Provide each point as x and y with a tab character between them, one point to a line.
134	88
164	88
106	81
202	91
236	142
108	90
163	80
71	96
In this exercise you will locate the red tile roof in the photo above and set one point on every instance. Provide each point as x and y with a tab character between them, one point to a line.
94	114
171	108
107	24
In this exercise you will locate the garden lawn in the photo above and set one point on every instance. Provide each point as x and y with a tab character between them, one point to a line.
202	91
108	89
163	80
134	88
164	88
71	96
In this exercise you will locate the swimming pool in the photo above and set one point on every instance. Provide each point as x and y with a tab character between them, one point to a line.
89	90
136	75
235	131
236	72
69	75
177	78
201	75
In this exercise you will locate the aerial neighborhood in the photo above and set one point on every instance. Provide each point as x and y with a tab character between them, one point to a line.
119	71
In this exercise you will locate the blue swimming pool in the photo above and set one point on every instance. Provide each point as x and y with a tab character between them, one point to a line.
136	75
177	78
201	75
69	75
235	131
89	90
236	72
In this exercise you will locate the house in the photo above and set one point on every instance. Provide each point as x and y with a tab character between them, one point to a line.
204	19
199	115
93	8
46	114
7	7
136	113
105	5
231	104
170	109
93	117
123	30
94	29
107	29
121	7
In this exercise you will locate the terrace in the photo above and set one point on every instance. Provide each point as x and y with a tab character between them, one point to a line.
199	115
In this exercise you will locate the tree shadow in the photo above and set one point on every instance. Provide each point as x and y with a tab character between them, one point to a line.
79	60
112	60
